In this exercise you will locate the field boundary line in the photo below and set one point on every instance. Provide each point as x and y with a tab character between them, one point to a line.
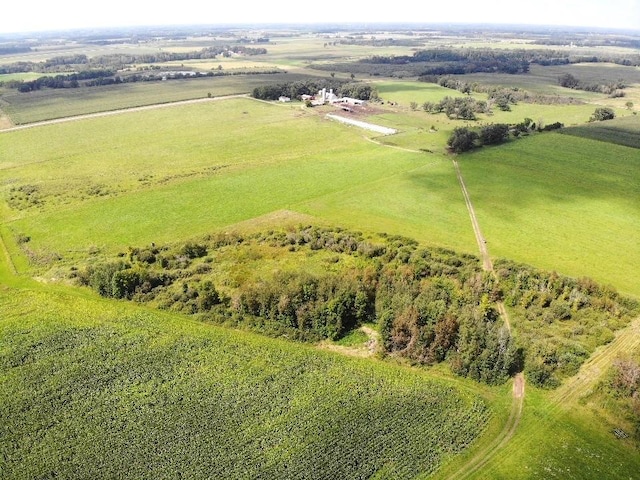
486	454
373	140
8	260
592	370
119	111
515	414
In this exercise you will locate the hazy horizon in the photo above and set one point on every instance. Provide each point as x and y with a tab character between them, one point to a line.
73	14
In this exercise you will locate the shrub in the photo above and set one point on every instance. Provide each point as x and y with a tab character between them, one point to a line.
602	113
462	139
494	134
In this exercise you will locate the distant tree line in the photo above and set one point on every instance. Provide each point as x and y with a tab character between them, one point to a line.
95	78
380	42
448	61
613	89
342	88
501	97
119	61
13	49
591	40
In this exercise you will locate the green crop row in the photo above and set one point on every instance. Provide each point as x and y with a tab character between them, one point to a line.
93	389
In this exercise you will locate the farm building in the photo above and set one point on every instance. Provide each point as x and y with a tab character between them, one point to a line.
284	99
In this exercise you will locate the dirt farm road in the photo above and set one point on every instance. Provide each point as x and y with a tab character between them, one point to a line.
119	111
509	429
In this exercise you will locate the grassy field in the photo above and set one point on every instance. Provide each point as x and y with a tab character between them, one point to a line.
569	433
7	77
191	174
146	395
545	79
566	442
47	104
546	201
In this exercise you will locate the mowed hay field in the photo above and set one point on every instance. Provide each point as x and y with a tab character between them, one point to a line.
562	203
171	174
96	389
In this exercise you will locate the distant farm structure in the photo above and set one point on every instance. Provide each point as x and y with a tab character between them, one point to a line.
323	97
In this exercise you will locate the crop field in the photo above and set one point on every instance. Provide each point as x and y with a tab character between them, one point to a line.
143	394
48	104
621	131
544	201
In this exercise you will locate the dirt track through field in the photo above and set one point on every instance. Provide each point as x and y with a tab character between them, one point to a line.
122	110
581	384
487	453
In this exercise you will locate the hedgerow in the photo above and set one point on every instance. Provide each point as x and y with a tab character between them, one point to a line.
430	304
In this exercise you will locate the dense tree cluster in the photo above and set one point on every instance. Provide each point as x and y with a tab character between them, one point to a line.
613	89
622	388
462	139
459	108
341	88
325	306
501	97
494	134
430	304
581	313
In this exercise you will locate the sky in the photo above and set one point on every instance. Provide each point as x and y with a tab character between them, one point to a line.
37	15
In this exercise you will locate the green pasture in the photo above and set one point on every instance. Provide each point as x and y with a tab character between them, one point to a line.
424	203
26	76
136	393
405	92
307	49
47	104
561	203
193	173
425	131
561	442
